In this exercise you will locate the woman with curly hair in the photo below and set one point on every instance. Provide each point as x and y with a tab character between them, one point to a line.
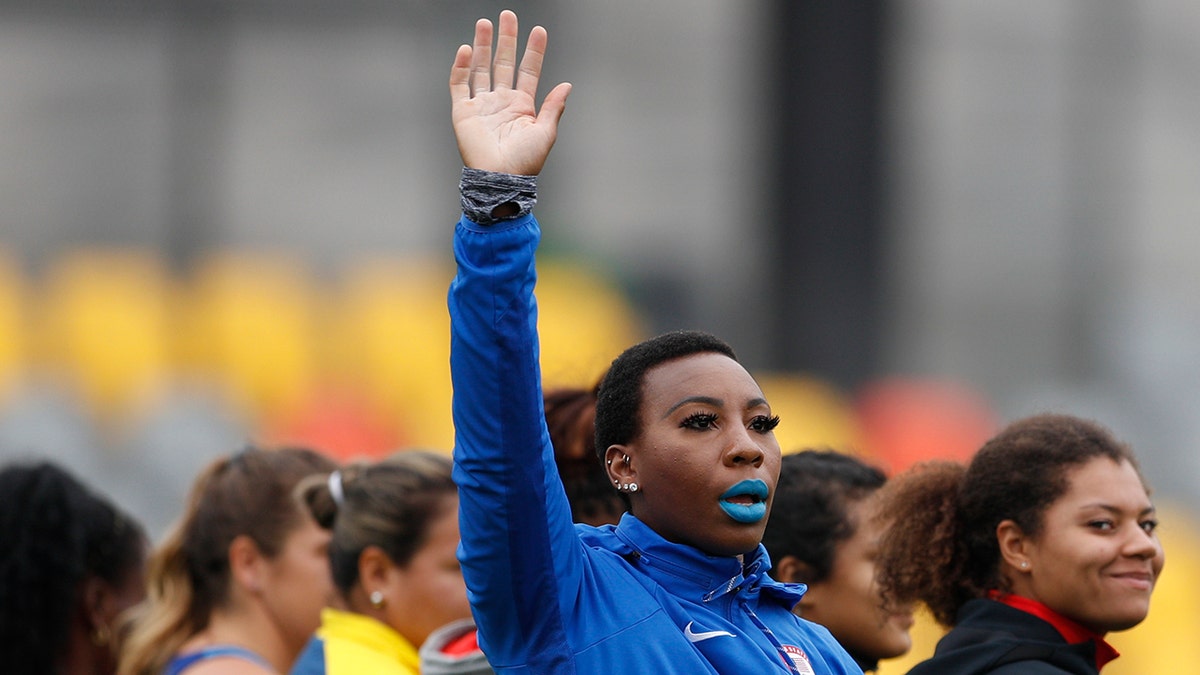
1030	554
70	564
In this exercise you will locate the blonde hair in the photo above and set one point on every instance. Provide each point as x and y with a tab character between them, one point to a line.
246	494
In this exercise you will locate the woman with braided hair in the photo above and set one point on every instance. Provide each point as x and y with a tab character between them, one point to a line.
71	563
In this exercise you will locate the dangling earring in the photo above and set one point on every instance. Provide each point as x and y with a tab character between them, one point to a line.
377	599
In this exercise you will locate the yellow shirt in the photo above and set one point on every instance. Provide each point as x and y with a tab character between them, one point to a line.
357	644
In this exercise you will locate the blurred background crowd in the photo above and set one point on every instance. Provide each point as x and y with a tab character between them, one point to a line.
225	222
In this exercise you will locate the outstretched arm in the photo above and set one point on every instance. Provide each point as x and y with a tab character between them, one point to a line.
493	102
521	559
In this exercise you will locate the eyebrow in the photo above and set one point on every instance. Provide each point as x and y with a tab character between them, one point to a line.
714	402
1116	510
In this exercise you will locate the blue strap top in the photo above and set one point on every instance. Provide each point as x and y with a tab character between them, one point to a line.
182	662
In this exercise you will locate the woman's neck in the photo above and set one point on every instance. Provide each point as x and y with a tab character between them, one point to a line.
249	628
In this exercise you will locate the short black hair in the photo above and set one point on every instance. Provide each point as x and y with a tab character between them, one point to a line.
619	396
809	515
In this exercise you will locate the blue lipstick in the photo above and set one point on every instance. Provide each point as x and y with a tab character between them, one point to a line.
750	512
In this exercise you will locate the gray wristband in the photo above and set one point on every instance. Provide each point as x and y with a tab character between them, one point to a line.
483	193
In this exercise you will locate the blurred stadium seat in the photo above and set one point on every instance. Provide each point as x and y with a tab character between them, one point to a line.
13	324
925	635
105	324
909	420
251	326
584	322
44	421
391	341
813	414
338	421
156	460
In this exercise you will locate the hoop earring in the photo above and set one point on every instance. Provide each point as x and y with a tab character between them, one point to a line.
101	635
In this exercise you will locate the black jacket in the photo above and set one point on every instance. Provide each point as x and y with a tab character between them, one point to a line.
991	637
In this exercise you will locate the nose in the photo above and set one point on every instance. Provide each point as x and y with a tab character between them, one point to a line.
1142	544
744	449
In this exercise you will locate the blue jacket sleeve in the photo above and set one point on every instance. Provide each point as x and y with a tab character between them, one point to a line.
521	557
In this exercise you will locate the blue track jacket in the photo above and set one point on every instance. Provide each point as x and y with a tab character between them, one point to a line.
553	597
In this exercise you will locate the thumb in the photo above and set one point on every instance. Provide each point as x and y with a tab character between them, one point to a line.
554	104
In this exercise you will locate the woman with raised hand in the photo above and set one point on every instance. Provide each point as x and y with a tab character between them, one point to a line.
679	585
395	532
71	564
237	585
1031	554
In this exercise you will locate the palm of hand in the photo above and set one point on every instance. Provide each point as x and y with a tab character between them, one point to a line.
497	131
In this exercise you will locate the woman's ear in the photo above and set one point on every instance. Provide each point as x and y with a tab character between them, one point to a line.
373	568
793	570
1014	544
245	567
99	609
378	576
619	465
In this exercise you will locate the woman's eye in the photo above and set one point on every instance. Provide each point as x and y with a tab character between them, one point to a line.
1103	525
1149	525
699	421
764	424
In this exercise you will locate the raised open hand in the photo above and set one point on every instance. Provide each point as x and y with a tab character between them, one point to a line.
496	121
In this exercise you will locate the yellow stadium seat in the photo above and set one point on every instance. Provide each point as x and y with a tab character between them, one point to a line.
393	333
13	326
251	327
813	413
584	322
925	635
391	337
105	322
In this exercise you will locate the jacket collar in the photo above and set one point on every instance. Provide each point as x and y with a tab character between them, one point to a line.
1072	632
692	571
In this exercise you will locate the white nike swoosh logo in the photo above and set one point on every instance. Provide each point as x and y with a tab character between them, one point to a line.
706	635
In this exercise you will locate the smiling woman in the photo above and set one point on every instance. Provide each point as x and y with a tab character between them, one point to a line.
1032	553
679	585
